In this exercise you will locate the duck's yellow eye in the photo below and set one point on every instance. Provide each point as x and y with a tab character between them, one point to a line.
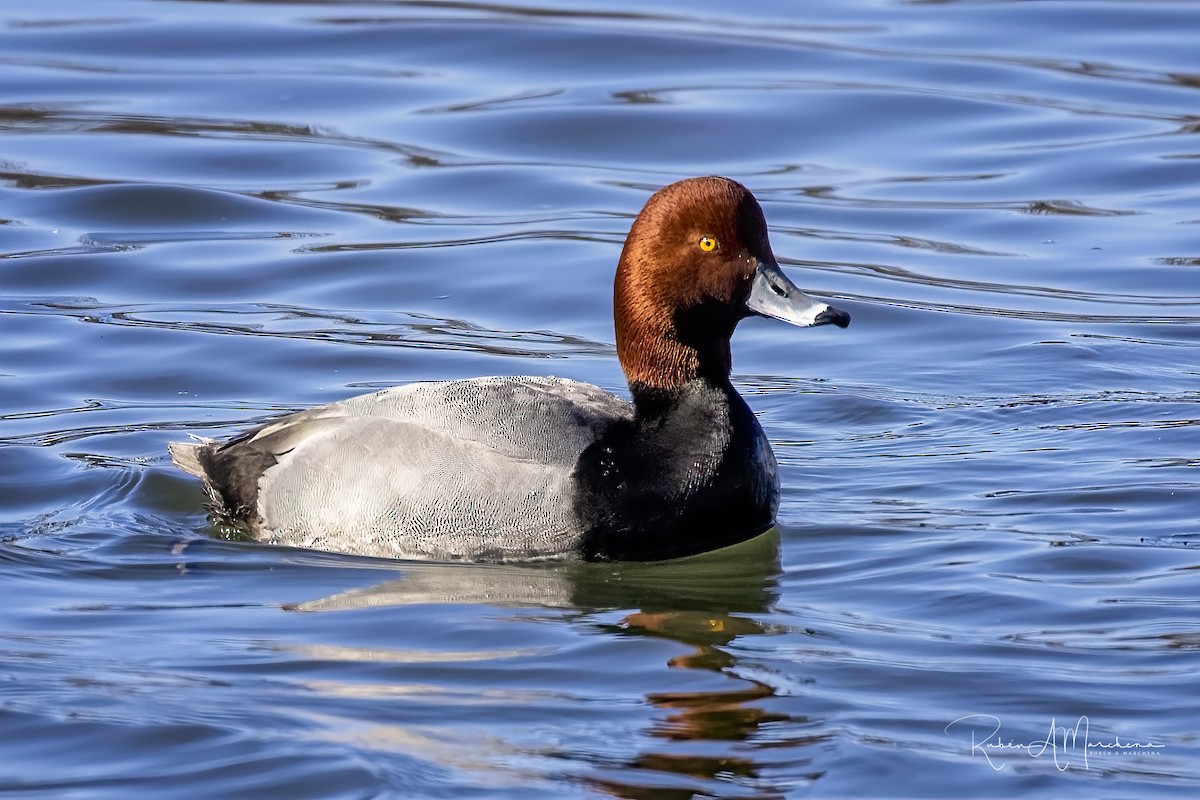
708	244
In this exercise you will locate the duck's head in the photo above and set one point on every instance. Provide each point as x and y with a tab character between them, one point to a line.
696	262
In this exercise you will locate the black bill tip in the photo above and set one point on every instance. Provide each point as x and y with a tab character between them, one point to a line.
833	316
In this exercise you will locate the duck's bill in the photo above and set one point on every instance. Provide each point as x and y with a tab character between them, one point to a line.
772	294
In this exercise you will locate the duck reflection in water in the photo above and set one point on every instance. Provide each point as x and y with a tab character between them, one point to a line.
704	603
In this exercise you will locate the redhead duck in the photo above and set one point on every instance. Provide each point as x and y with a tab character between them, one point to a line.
531	467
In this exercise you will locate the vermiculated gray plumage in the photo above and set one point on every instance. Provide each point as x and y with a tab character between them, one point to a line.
473	469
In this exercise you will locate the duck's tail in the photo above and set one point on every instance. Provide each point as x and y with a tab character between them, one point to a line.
186	456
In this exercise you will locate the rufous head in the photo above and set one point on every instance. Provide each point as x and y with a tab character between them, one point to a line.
697	261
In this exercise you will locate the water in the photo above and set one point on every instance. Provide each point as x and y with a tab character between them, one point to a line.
214	212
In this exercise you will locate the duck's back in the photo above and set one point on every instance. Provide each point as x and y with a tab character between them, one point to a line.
473	469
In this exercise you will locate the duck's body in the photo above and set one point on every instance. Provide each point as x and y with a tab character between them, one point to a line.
499	468
515	468
475	469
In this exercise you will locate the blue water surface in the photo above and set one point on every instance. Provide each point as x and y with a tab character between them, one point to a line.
985	576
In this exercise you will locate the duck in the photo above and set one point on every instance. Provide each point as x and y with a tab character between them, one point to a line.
532	468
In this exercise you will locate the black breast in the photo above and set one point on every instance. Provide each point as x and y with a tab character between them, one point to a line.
691	472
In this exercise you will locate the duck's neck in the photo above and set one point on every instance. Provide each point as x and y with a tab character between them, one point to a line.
663	353
651	402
